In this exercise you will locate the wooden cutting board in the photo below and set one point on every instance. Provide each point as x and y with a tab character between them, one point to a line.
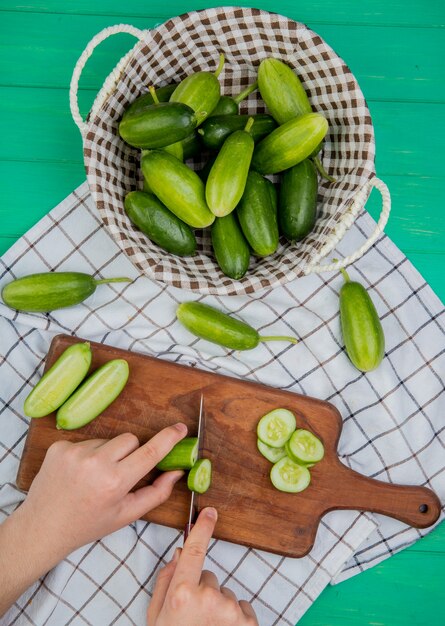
251	511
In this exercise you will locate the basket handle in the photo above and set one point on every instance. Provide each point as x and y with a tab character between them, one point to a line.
358	203
96	40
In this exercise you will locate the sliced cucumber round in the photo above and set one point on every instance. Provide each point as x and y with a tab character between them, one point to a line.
286	475
288	451
200	476
182	456
272	454
305	447
275	428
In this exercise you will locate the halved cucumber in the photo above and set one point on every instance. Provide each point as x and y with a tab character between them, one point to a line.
93	397
182	456
275	428
305	447
59	382
286	475
200	476
288	451
272	454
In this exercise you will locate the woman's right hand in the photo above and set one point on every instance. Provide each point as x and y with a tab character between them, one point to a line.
185	594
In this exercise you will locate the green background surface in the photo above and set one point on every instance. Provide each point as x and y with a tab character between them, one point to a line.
395	48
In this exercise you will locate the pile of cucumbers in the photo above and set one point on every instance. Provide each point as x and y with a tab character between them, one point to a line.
245	211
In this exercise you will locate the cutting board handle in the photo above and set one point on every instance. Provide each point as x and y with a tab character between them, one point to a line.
413	505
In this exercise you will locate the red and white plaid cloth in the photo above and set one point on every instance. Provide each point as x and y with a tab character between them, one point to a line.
393	417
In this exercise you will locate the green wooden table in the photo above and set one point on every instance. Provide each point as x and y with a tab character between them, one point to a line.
395	48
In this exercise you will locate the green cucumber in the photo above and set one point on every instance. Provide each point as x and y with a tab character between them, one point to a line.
288	476
59	382
289	144
208	323
231	250
282	91
305	447
191	146
288	452
158	125
271	454
227	178
215	130
298	200
361	327
200	91
276	427
257	215
175	149
178	187
39	293
162	93
200	476
228	105
273	193
182	456
159	224
93	396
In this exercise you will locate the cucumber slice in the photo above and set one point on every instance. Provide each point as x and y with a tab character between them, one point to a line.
200	476
288	451
93	397
60	381
272	454
182	456
286	475
275	428
306	447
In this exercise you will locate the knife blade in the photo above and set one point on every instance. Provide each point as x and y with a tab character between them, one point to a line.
193	507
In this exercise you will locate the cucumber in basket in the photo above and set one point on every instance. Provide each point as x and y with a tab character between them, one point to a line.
298	200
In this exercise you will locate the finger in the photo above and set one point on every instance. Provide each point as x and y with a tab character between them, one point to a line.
208	579
90	444
161	588
247	609
228	593
119	447
141	461
139	502
194	551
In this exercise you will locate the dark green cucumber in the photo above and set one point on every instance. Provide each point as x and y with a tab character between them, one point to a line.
289	144
298	200
159	224
231	250
200	91
59	382
94	395
282	91
191	146
182	457
361	327
229	106
227	178
208	323
200	476
178	187
257	216
51	290
158	125
273	193
215	130
163	95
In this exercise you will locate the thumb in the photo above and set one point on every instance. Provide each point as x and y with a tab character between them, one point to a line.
161	587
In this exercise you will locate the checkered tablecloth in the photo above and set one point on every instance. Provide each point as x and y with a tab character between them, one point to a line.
393	417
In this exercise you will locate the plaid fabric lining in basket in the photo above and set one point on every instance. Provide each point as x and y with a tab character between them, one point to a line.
190	43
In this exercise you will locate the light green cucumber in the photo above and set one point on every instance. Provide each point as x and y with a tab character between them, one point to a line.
200	476
59	382
94	395
182	456
271	454
288	476
276	427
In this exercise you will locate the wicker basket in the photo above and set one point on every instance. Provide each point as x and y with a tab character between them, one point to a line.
192	42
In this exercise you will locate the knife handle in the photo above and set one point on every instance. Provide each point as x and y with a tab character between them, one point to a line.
187	529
